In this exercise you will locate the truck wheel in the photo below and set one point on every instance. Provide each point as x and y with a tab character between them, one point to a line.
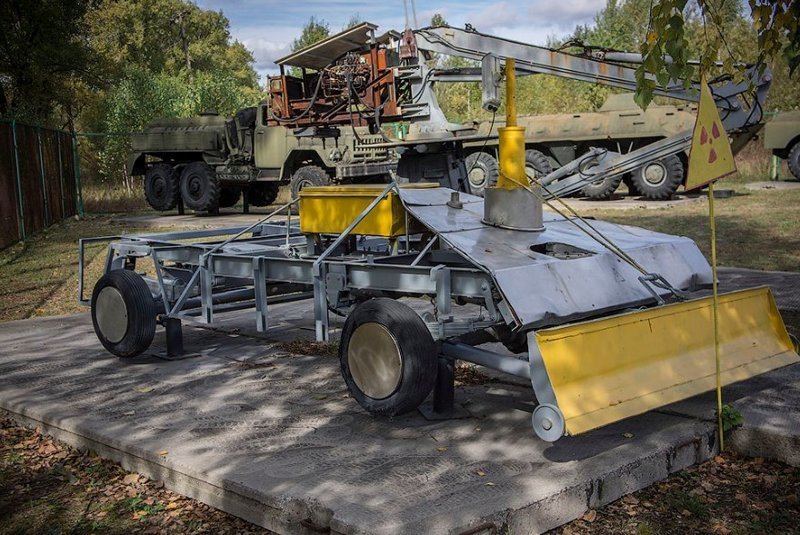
387	356
482	171
628	181
229	196
603	188
794	160
199	187
263	193
308	175
123	313
660	179
161	188
537	164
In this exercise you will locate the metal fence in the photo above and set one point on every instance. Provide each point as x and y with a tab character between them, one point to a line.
39	179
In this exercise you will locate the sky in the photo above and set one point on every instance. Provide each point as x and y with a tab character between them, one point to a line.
267	27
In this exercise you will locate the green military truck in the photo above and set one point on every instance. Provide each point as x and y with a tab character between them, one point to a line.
619	125
208	162
782	137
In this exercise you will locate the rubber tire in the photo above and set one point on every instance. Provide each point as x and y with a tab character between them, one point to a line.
539	161
263	193
161	187
229	196
206	198
628	181
308	175
794	160
485	162
604	190
664	191
140	307
417	348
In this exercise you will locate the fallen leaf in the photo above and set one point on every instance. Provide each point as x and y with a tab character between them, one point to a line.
686	512
719	459
627	435
172	505
742	497
489	484
441	449
130	479
319	396
144	389
590	516
707	486
163	452
481	473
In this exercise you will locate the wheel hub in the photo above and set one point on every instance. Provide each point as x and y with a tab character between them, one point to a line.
111	314
654	174
375	361
477	177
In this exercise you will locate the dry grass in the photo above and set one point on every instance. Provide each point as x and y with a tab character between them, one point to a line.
106	198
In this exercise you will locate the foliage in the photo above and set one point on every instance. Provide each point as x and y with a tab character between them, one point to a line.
777	31
731	418
314	30
40	59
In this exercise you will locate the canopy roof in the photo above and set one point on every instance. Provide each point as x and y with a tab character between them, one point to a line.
323	53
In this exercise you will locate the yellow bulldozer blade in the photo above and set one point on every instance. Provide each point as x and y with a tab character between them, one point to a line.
604	370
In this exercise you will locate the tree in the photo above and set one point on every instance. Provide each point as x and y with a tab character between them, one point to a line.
776	24
354	20
437	20
315	30
40	58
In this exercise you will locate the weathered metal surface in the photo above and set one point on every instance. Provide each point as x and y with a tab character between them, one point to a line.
782	131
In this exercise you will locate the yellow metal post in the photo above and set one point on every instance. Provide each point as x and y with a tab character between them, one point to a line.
512	138
716	312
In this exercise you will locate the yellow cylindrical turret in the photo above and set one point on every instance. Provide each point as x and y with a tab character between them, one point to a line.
512	138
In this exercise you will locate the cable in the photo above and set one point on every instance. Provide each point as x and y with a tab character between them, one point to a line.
485	142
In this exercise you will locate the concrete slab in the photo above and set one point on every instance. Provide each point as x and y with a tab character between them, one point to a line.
274	438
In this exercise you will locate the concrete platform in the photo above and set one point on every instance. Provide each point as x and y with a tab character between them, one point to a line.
273	437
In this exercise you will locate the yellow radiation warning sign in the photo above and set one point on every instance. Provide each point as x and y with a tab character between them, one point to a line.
710	157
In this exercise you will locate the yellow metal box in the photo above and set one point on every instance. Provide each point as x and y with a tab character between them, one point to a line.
331	209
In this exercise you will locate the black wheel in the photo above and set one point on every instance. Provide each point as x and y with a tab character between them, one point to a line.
387	356
482	171
263	193
628	181
659	180
199	187
537	164
161	188
794	160
229	196
123	313
603	188
308	175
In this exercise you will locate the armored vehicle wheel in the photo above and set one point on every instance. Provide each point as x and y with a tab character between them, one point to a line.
123	313
603	188
263	193
794	160
659	180
482	171
161	188
537	164
199	187
387	356
308	175
229	196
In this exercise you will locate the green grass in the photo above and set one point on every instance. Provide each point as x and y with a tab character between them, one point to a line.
755	229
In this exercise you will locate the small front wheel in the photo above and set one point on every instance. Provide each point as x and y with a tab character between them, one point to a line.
387	356
123	313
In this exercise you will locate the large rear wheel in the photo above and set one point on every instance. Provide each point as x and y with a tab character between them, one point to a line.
794	160
537	164
199	187
161	188
123	313
603	188
387	357
659	180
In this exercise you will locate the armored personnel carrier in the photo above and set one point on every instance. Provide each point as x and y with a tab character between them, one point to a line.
619	125
782	137
207	162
